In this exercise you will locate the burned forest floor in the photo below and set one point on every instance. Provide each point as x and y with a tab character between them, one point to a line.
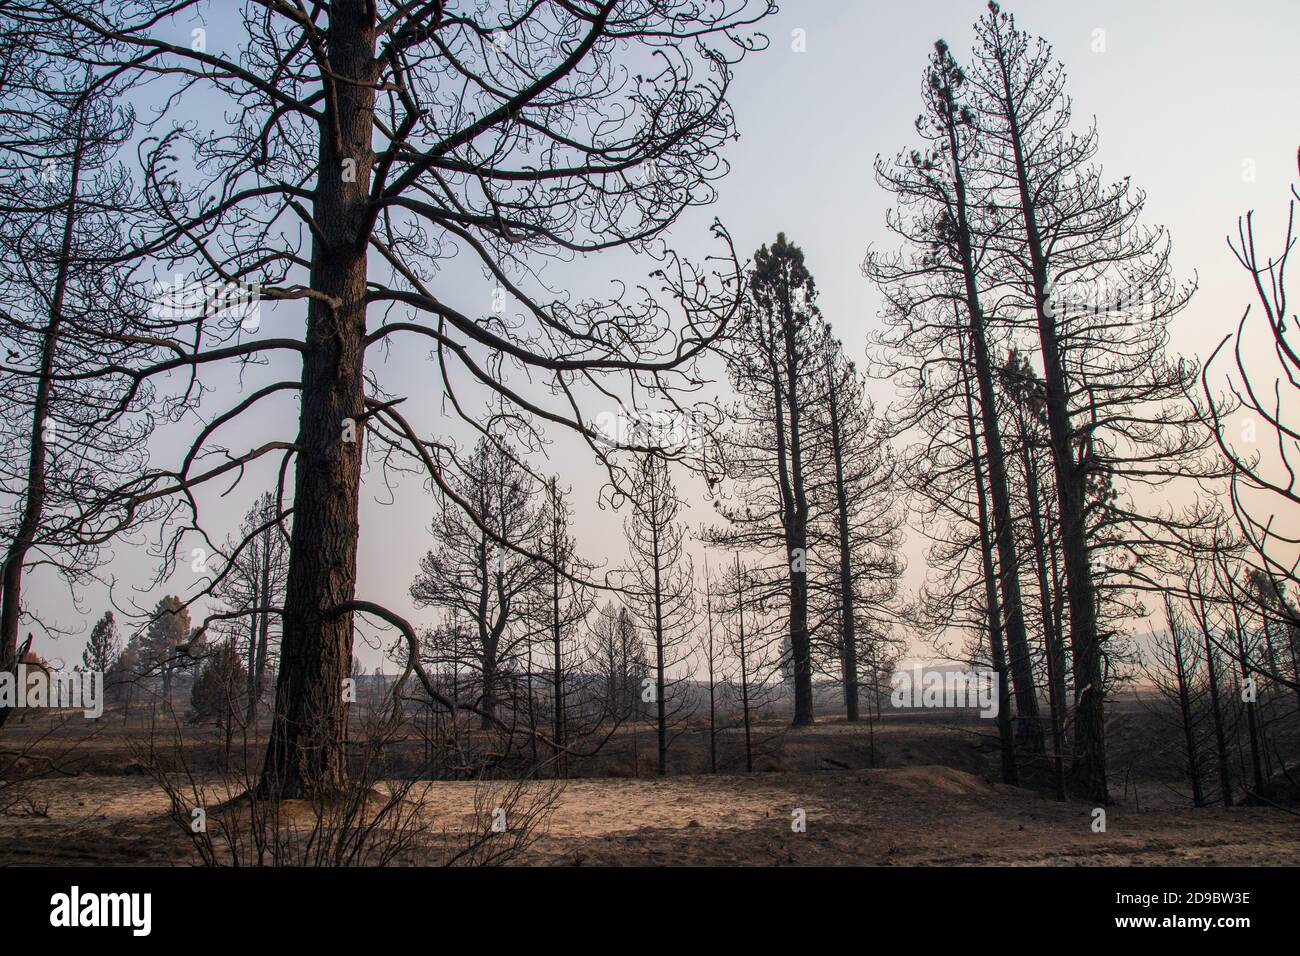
906	790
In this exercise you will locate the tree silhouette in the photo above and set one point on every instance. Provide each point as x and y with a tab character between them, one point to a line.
69	307
771	361
369	144
102	647
475	575
661	591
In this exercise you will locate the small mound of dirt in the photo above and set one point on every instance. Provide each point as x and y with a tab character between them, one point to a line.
940	780
240	809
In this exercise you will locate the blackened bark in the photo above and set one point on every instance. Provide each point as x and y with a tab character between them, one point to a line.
558	682
661	713
1010	774
794	505
1252	719
492	677
307	750
263	638
848	629
1028	730
1185	713
1089	712
1051	636
713	704
1216	713
34	500
558	548
800	644
254	620
744	671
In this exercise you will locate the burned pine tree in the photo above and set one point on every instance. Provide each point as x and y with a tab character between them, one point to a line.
996	635
355	164
1264	584
1122	415
1174	666
102	647
617	653
618	656
475	572
1024	390
754	634
1003	197
943	218
73	315
661	594
924	348
558	607
1206	613
713	650
772	363
254	588
854	559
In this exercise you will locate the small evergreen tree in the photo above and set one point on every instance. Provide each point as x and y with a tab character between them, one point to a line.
103	647
220	692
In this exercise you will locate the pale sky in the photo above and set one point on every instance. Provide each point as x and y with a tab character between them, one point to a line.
1198	101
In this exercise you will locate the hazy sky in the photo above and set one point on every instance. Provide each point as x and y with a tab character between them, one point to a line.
1199	102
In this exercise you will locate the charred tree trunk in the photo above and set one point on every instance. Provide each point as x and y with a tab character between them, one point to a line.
33	504
558	681
491	685
307	749
1028	729
1010	773
661	713
781	352
1051	638
1293	640
1089	711
254	620
259	633
263	645
532	708
1185	714
744	671
1252	717
848	629
561	764
713	683
1216	714
800	645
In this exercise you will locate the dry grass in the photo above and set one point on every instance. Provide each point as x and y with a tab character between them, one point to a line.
932	803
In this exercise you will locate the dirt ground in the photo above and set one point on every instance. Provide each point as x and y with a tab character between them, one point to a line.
932	803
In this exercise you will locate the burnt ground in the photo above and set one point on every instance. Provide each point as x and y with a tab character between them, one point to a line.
931	799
